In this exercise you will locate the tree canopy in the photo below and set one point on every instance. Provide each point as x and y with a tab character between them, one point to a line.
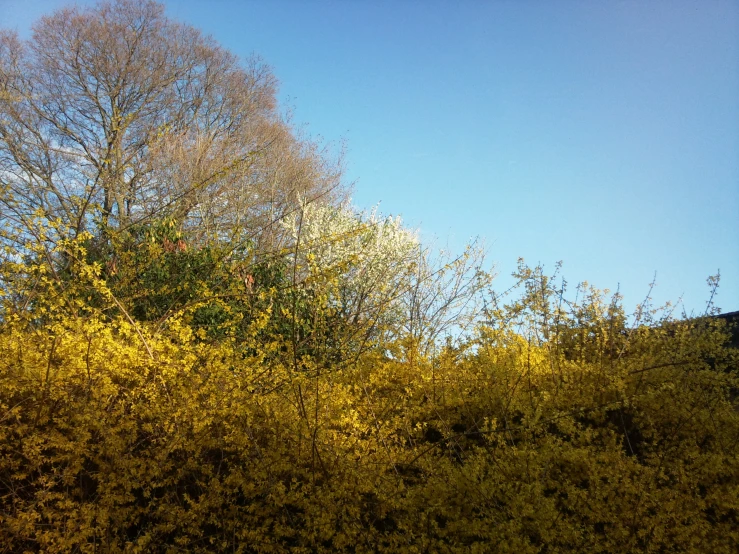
113	115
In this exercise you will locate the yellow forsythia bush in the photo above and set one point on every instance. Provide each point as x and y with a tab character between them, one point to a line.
125	436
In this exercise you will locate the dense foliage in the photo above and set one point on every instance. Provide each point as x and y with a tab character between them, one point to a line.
244	365
127	427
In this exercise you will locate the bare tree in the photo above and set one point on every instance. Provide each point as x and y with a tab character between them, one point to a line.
444	296
114	114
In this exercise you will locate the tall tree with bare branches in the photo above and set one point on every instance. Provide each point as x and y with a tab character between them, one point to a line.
115	114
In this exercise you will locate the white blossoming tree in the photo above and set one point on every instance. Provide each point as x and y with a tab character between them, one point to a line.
376	276
361	260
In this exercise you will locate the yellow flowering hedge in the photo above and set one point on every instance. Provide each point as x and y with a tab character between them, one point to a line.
123	435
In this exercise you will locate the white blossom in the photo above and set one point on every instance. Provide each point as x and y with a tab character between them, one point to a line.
371	255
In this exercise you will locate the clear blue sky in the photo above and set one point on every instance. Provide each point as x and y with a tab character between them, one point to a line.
601	133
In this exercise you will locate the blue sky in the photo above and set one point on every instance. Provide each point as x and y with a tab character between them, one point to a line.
601	133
